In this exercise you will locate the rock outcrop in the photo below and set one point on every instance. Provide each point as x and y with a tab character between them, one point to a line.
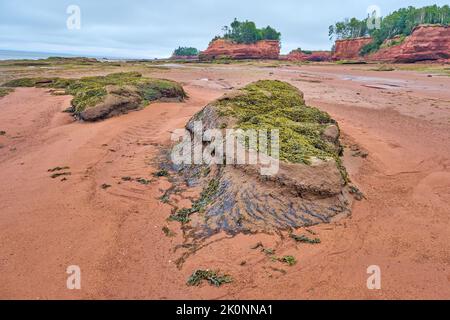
308	189
348	49
227	49
426	43
297	55
101	97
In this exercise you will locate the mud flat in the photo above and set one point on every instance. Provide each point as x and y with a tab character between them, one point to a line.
109	215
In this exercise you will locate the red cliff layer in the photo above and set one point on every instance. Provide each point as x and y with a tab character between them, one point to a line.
349	49
297	55
221	48
175	57
426	43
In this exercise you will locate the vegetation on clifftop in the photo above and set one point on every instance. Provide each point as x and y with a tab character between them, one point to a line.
247	32
186	51
399	23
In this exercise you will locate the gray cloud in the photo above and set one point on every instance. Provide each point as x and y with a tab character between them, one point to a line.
153	28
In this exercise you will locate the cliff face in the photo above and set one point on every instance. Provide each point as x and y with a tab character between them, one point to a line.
297	55
349	49
426	43
175	57
221	48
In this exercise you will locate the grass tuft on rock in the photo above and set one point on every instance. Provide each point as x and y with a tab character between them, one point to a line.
212	277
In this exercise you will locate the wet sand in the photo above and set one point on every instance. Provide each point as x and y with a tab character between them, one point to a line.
400	118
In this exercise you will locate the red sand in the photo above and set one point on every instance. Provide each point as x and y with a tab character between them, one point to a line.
401	119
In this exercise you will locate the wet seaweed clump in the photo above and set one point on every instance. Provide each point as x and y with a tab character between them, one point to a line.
100	97
305	239
289	260
161	173
212	277
60	174
169	233
199	205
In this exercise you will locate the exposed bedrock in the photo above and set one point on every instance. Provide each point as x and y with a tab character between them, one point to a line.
227	49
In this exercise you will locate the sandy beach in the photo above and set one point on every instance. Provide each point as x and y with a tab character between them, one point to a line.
399	119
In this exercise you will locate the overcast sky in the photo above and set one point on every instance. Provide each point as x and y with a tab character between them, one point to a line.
153	28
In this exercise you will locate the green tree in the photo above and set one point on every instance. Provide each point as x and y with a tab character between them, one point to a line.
186	51
247	32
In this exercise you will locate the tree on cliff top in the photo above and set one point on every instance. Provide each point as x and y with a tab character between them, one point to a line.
247	32
401	22
186	51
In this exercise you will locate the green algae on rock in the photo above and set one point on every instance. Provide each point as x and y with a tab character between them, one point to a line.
269	104
100	97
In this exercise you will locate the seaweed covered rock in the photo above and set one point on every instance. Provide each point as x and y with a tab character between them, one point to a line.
97	98
118	100
310	186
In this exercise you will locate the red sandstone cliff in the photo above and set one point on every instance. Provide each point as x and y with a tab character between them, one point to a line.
297	55
426	43
349	49
175	57
222	48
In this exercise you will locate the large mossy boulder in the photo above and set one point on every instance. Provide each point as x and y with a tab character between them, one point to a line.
97	98
309	188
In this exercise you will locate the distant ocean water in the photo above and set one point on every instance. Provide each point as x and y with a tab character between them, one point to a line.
18	55
22	55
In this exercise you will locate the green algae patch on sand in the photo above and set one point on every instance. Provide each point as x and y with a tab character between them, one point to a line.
214	278
111	94
272	104
5	91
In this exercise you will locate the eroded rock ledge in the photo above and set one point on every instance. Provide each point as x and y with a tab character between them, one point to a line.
227	49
